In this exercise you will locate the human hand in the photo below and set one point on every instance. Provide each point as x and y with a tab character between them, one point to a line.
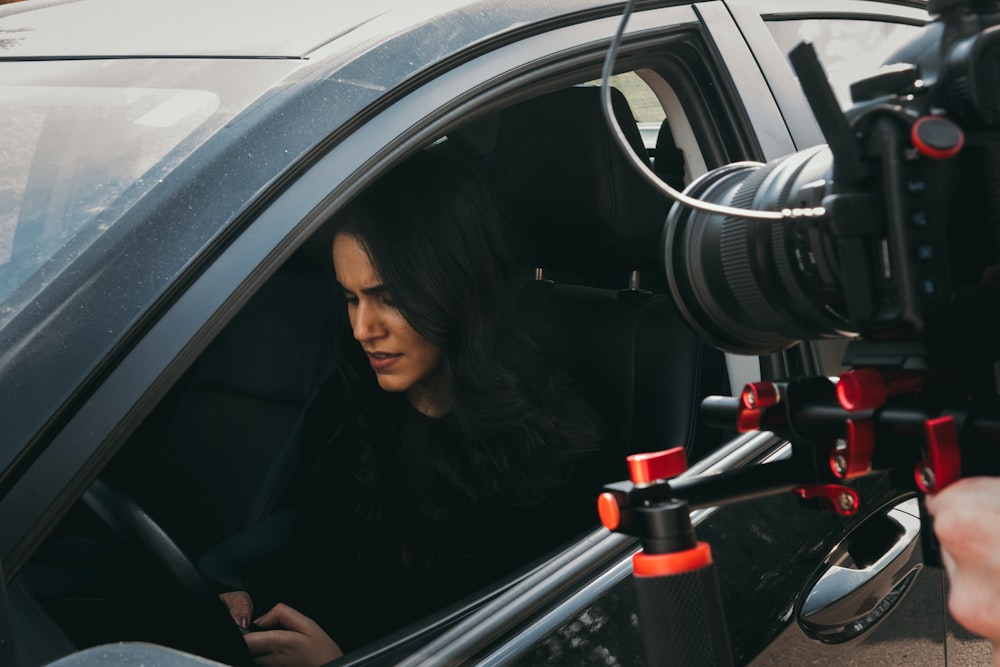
290	639
967	524
240	607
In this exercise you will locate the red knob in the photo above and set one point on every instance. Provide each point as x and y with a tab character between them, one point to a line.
649	467
609	510
759	395
943	464
861	389
868	388
937	137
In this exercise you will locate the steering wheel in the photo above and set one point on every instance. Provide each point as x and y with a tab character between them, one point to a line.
205	624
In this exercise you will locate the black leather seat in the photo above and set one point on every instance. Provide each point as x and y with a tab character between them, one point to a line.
590	223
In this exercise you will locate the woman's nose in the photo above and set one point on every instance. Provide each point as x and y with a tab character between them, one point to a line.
366	324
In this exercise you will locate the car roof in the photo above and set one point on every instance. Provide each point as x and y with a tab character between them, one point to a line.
34	29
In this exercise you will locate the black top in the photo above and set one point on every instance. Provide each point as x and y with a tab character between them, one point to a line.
387	534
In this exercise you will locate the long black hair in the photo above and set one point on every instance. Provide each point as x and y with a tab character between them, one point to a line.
425	510
436	238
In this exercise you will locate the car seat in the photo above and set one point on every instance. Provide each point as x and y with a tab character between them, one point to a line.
218	454
592	229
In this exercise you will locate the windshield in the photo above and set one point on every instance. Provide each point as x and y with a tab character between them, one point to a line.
72	158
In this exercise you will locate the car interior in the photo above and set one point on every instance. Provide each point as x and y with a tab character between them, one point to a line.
202	488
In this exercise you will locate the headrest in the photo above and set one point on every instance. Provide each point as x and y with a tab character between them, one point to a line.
565	183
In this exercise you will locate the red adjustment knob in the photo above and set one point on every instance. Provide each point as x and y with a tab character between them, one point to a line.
759	395
943	464
853	457
649	467
609	510
937	137
748	420
861	389
868	388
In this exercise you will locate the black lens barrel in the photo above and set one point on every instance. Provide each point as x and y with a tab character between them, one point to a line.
756	286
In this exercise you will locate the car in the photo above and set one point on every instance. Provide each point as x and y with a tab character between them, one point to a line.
168	172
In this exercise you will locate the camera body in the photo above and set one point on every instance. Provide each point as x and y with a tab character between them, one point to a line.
904	258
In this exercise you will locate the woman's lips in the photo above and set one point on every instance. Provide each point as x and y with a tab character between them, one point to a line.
381	361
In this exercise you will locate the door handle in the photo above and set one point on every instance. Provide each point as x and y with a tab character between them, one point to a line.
864	576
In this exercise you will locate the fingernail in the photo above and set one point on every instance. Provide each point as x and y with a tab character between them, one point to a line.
243	621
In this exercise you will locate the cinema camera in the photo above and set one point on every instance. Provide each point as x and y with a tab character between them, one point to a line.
889	235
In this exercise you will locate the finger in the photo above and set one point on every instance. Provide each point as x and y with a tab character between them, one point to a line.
269	642
283	616
288	648
240	607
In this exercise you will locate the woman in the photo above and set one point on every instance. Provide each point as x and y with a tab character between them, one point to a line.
445	452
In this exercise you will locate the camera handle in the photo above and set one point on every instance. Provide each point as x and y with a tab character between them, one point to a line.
676	580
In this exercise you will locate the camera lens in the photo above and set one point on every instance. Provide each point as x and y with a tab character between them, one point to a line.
758	286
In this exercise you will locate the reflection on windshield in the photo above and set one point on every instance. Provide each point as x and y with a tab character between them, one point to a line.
72	159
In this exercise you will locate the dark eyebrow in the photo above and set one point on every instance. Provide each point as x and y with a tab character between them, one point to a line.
368	291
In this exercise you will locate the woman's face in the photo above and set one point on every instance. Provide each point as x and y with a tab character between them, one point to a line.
403	360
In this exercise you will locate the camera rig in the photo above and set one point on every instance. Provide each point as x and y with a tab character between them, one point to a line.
889	235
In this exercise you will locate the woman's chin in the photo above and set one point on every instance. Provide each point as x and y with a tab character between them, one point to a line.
391	384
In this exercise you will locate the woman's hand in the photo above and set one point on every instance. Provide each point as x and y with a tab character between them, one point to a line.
290	639
240	607
967	524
